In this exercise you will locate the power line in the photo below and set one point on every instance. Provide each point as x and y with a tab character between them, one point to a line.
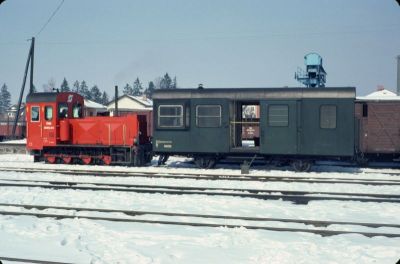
52	15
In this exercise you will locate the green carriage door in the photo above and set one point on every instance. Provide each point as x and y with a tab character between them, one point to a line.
278	126
210	125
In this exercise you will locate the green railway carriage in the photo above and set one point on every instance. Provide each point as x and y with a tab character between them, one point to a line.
292	124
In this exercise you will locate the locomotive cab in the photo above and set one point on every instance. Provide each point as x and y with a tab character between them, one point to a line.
47	117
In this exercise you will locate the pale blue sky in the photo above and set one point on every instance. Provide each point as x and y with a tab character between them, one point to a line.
220	43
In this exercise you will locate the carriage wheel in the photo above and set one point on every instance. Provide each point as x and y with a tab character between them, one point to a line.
67	160
86	160
205	162
301	165
162	159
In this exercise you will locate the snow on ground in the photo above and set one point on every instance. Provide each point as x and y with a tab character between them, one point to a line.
88	241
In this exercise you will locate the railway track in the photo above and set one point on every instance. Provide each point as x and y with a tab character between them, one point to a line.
315	223
34	261
198	176
299	197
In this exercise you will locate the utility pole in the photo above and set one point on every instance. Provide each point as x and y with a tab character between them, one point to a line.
29	60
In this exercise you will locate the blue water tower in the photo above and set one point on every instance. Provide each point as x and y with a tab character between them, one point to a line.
314	75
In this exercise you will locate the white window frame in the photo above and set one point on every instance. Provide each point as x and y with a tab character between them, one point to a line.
219	116
45	112
34	121
160	116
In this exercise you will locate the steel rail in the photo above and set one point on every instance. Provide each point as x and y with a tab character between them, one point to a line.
321	232
226	217
199	188
295	196
213	177
35	261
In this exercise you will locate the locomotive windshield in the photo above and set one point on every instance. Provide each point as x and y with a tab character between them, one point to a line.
62	110
77	111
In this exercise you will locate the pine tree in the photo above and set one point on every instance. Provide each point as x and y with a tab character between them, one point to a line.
128	90
76	86
5	99
95	94
64	86
137	88
84	90
149	90
104	98
166	82
174	84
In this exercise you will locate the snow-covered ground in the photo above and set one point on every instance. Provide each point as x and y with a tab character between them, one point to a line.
89	241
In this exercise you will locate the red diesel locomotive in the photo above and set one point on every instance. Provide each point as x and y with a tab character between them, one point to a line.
57	132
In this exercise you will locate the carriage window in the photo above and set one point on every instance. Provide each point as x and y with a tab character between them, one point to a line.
278	115
170	116
48	113
77	111
62	110
35	113
327	114
208	115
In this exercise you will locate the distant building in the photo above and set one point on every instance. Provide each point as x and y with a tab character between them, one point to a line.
131	104
381	94
93	109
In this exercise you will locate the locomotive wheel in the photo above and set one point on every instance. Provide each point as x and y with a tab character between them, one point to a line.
51	159
106	159
301	165
86	160
162	159
205	162
67	160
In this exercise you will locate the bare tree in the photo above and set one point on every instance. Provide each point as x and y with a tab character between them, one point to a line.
49	86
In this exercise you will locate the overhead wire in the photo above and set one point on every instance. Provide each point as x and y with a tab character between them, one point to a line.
50	18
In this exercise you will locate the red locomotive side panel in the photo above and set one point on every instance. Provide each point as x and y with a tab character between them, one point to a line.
106	131
379	126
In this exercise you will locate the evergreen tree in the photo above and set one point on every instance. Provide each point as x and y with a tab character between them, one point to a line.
5	99
149	90
166	82
84	90
64	86
128	90
95	94
76	87
137	88
104	98
174	84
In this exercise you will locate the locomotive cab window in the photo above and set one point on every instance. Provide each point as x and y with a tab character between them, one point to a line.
327	114
63	110
208	115
278	115
48	113
170	116
35	113
77	111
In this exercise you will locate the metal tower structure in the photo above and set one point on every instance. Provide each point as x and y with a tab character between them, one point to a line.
314	75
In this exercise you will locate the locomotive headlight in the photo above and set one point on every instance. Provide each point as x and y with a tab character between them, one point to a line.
135	141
